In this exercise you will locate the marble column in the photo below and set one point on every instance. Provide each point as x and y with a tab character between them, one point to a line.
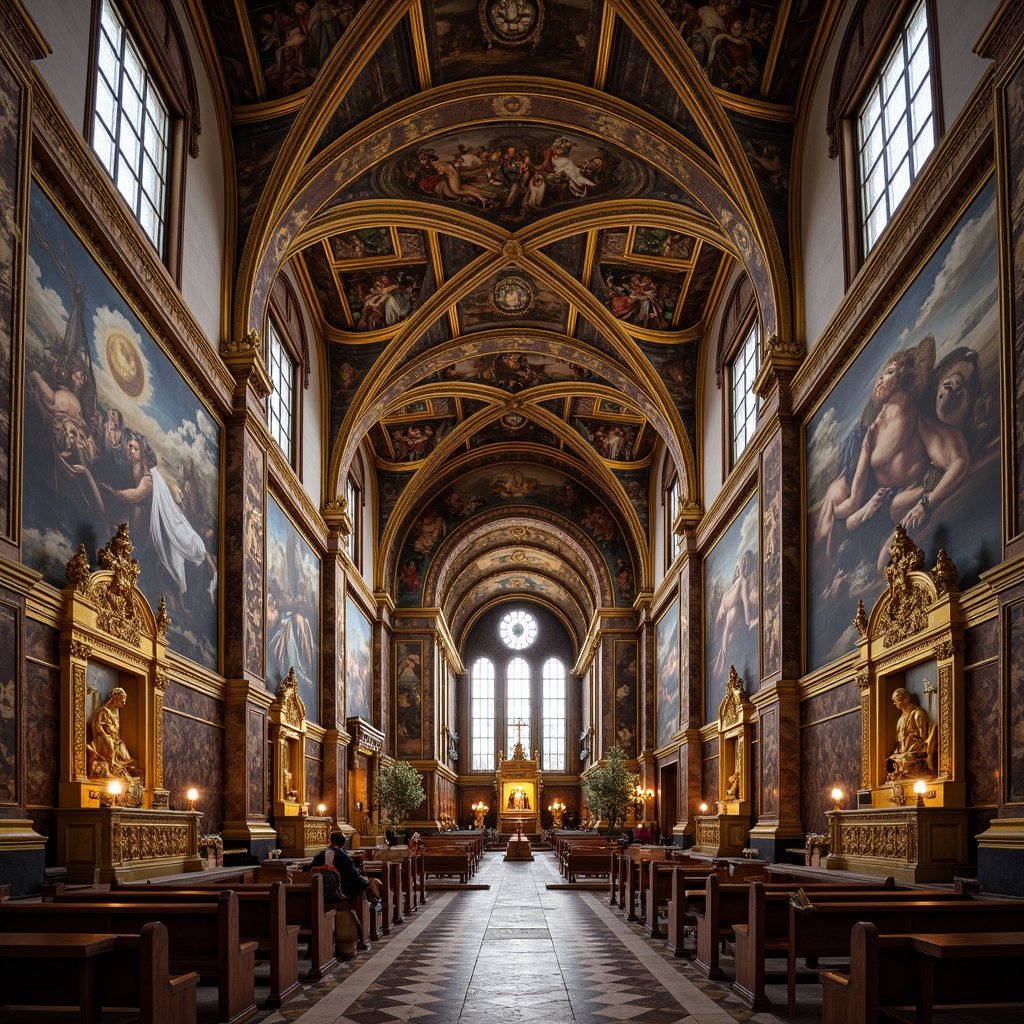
777	699
246	794
22	857
691	696
1001	846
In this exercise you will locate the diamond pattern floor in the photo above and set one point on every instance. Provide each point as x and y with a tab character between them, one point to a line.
516	953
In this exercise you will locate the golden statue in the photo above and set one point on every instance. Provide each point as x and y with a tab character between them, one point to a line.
915	739
110	757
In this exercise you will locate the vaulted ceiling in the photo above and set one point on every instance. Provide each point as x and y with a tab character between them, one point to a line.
513	222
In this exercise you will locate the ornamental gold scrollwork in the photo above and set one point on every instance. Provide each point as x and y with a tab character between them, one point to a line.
163	620
78	687
707	833
135	840
865	738
905	612
117	611
731	708
248	345
860	620
78	571
76	649
945	574
288	702
945	720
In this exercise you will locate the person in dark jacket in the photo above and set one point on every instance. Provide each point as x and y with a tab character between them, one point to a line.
351	881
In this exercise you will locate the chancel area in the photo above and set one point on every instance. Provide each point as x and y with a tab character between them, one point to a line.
570	448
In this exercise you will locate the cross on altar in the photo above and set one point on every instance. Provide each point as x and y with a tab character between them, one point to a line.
519	726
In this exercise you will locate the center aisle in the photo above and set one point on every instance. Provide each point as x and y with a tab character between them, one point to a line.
517	952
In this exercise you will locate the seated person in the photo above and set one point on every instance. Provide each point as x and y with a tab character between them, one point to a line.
350	881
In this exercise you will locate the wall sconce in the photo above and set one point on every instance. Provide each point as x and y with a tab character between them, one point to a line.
703	808
321	809
556	806
192	795
919	790
643	794
837	797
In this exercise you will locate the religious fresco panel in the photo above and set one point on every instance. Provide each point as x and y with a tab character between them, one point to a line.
982	733
639	296
257	145
514	172
768	147
411	442
1014	92
294	39
513	427
512	299
662	244
768	764
517	369
292	610
676	365
636	483
358	663
314	765
194	756
1014	726
347	365
625	662
796	45
729	40
9	656
10	129
492	487
667	663
731	609
363	244
702	277
933	367
550	38
389	488
114	434
409	699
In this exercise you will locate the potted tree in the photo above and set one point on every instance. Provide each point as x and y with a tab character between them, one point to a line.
399	790
610	788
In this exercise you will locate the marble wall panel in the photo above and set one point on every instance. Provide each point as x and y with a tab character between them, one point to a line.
1014	723
255	772
829	756
9	651
831	702
981	643
981	746
771	559
42	642
1014	116
178	697
314	761
709	773
42	734
194	756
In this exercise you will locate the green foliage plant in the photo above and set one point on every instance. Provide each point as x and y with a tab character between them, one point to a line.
610	788
399	790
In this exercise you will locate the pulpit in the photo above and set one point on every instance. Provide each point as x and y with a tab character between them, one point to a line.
910	820
518	786
114	818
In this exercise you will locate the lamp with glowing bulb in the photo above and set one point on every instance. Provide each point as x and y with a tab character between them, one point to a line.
703	808
321	809
837	797
920	788
192	795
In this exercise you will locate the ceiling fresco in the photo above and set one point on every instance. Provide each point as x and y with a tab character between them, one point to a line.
513	223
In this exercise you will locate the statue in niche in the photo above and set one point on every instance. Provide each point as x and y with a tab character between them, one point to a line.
915	740
733	790
111	759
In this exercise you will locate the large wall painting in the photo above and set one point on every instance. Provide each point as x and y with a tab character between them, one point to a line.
293	609
625	695
915	416
667	661
732	573
409	699
114	434
358	663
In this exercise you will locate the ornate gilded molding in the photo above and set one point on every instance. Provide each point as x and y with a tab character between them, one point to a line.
78	687
78	571
945	574
289	704
905	612
117	611
708	832
163	620
946	720
142	838
947	649
731	709
865	737
76	648
862	679
880	837
860	620
249	345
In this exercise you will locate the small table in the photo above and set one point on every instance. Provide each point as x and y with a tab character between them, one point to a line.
47	946
934	948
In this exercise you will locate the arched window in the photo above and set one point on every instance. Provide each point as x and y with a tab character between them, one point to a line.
517	705
553	716
481	715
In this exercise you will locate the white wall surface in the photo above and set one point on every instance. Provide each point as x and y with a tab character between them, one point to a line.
66	25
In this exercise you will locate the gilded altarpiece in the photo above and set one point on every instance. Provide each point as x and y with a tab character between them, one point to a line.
910	820
114	820
726	832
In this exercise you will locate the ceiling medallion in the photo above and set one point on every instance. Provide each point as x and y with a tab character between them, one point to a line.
511	22
512	296
513	420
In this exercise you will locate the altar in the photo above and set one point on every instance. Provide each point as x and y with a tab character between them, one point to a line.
517	786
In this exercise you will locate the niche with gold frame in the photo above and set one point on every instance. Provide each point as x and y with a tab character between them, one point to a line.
114	819
911	819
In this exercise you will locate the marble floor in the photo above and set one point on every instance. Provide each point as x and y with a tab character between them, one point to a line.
517	952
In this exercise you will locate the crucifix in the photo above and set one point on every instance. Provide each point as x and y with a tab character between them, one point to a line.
519	726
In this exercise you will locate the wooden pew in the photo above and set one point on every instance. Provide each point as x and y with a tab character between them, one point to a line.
588	859
585	843
359	909
826	930
442	861
727	904
261	918
657	892
904	970
44	969
202	937
304	906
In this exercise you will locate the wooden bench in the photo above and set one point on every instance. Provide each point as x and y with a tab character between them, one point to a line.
68	969
358	908
304	906
202	937
950	969
725	905
657	893
261	918
587	844
444	861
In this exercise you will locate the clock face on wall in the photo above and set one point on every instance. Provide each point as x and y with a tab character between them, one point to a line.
518	630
